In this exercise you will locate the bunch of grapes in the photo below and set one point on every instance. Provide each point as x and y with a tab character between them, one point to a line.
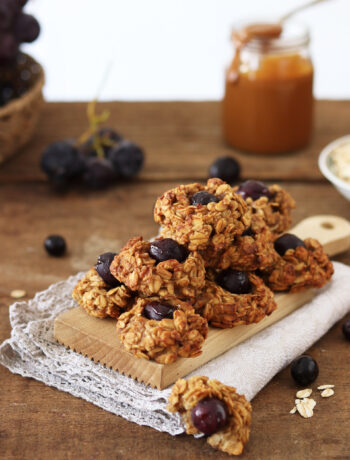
16	27
100	158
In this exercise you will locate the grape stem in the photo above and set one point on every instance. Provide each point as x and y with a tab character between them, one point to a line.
98	142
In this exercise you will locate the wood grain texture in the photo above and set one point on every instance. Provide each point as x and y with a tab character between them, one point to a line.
37	421
97	338
181	140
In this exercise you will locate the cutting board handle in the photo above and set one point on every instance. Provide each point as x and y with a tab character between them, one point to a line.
332	232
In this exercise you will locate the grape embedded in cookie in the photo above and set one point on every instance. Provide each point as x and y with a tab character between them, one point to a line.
202	216
99	299
272	203
300	265
217	410
237	300
162	267
162	330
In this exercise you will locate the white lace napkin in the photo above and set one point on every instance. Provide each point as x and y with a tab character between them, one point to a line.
32	352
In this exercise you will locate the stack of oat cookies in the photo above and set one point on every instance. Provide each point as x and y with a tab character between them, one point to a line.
221	254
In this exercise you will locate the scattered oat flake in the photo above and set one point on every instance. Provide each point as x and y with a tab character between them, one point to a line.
327	393
304	393
293	411
324	387
18	293
305	409
311	402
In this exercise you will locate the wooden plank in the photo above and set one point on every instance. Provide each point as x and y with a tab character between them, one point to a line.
97	338
181	140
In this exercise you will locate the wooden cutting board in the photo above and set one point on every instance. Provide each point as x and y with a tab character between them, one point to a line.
97	339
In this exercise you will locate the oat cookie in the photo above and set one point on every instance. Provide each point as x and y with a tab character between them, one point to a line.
225	310
300	268
186	394
140	272
250	251
201	226
98	299
276	209
164	340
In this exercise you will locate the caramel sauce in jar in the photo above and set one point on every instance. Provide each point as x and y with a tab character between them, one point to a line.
268	103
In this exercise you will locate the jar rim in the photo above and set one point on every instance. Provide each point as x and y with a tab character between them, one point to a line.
295	34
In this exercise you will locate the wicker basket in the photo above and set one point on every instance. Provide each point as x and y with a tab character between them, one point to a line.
19	117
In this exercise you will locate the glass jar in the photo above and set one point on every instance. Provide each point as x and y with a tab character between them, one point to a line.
268	103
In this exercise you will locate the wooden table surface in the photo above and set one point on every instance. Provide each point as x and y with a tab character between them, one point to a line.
181	140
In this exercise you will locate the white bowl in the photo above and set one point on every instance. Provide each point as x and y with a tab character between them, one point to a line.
323	163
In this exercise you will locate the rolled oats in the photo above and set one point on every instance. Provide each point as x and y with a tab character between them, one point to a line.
202	226
140	272
305	407
324	387
300	268
186	394
223	309
304	393
166	340
99	300
327	393
18	293
247	252
276	211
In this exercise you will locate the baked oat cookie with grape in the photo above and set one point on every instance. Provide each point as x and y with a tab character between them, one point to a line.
162	267
272	203
300	265
100	294
252	250
235	298
217	410
202	216
162	330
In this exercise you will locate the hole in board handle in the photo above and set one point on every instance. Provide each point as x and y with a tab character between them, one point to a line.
327	225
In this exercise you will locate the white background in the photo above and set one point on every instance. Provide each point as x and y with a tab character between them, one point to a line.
170	49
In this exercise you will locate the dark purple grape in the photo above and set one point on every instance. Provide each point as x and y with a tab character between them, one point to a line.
26	28
21	3
225	168
61	162
167	249
8	10
108	134
8	47
253	189
346	329
287	241
234	281
304	370
203	198
98	173
7	93
55	245
209	415
158	311
127	159
102	267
